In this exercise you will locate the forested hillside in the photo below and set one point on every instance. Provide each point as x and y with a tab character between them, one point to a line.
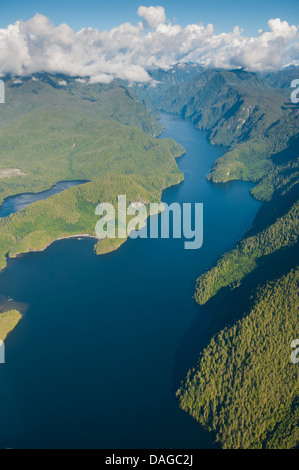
46	128
98	100
241	111
282	78
56	132
236	264
245	387
8	321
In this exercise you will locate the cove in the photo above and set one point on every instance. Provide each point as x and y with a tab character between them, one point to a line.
97	358
13	204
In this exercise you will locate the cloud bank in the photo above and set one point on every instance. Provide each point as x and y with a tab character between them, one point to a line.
128	51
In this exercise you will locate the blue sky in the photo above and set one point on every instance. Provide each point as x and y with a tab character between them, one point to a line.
48	38
224	14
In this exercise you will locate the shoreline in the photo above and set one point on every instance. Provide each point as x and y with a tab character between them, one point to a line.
82	235
30	193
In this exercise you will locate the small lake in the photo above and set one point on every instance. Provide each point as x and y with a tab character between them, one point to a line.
97	358
13	204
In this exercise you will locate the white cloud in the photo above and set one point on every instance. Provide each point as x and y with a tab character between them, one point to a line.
128	50
153	16
80	80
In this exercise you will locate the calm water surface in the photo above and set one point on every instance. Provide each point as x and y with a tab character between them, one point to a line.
13	204
97	358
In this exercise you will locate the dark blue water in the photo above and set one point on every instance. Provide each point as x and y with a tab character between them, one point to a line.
13	204
97	358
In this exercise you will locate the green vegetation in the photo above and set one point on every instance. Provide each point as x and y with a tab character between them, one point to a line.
236	264
284	176
72	212
61	135
57	135
251	160
8	321
282	78
241	111
96	101
245	388
55	144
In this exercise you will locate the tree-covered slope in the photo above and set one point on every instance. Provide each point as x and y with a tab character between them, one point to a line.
98	101
72	212
244	388
145	168
226	103
163	79
55	129
239	110
236	264
55	143
8	321
283	78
